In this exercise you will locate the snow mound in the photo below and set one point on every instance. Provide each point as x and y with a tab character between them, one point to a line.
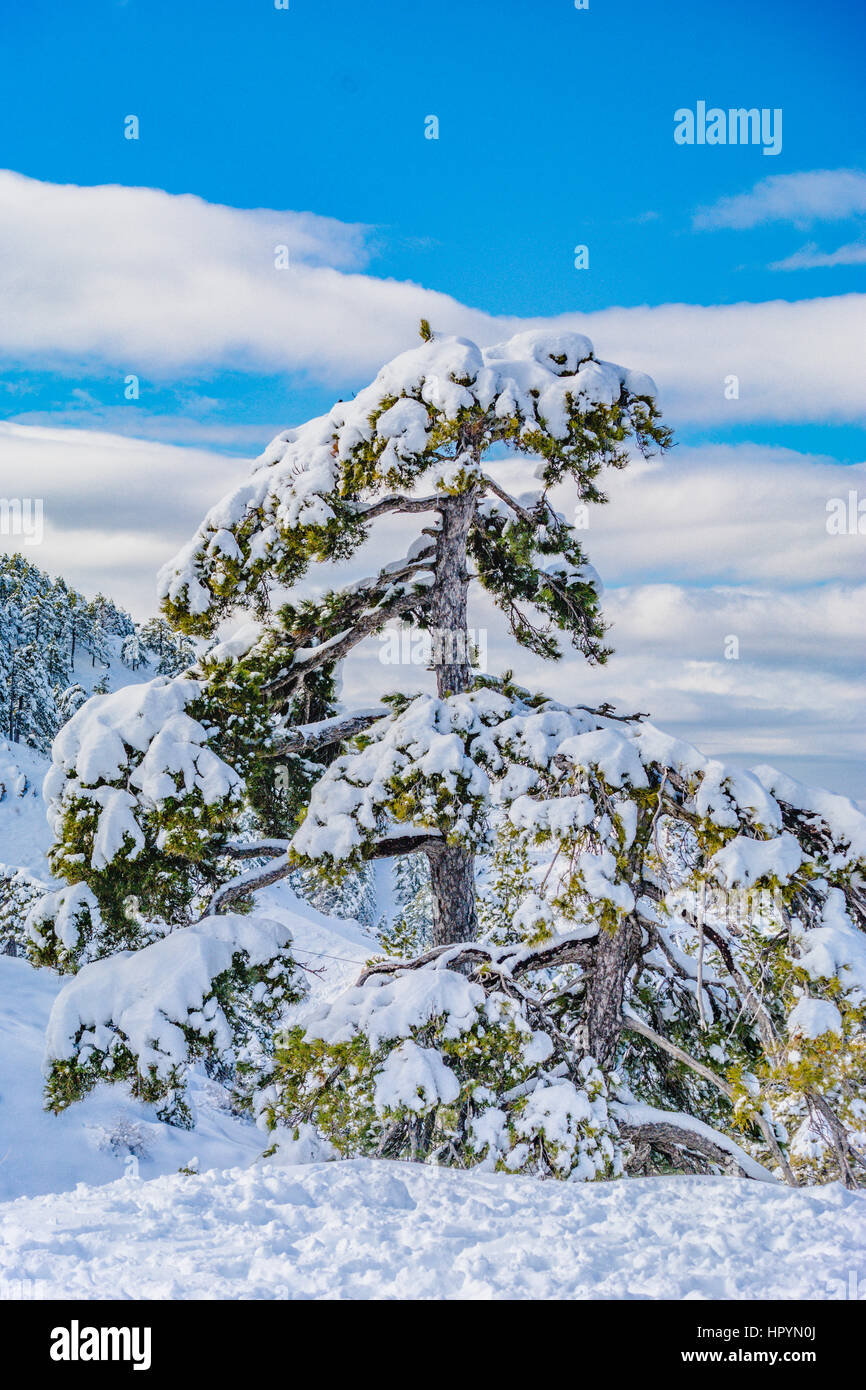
98	1140
376	1229
24	833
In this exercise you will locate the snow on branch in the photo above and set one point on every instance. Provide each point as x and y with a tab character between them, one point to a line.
304	738
675	1133
143	1015
123	759
312	492
245	884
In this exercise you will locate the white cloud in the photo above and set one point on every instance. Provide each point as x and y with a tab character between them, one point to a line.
151	283
794	694
136	423
810	257
822	195
114	509
727	514
157	282
709	543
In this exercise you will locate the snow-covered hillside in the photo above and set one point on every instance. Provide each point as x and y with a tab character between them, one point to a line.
24	833
93	1142
58	647
378	1229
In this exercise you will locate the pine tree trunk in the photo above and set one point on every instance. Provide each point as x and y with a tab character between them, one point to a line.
449	632
452	886
452	869
606	990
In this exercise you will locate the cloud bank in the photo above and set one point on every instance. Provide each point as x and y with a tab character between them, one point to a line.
822	195
148	282
712	542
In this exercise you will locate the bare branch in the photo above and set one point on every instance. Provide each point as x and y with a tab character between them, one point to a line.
398	504
253	849
606	712
555	953
245	884
512	502
458	955
306	738
393	845
637	1025
340	645
507	961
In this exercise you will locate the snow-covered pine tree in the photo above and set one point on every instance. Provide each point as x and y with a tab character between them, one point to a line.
69	700
429	418
672	950
410	929
34	702
42	624
172	651
19	892
148	782
351	897
99	635
132	652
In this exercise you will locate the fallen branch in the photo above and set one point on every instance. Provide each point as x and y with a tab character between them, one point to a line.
674	1140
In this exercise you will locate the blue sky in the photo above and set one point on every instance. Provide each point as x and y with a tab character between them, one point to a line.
555	129
155	258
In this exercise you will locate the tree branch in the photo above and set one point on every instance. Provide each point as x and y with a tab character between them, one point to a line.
398	504
512	502
254	848
568	952
458	955
637	1025
339	646
394	845
634	1024
306	738
605	711
508	961
245	884
672	1139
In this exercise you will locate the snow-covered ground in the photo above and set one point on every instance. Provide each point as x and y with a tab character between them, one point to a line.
93	1205
375	1229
